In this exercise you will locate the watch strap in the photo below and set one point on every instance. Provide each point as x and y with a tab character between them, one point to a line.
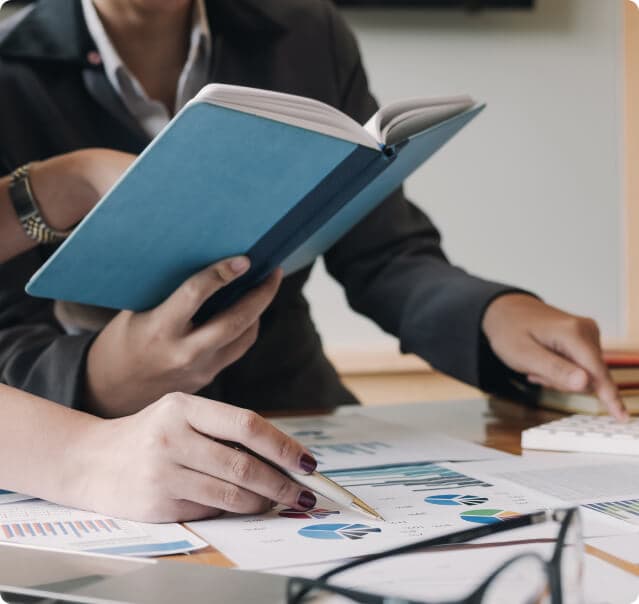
28	211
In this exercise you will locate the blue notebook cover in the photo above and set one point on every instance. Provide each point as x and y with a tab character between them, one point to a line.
218	183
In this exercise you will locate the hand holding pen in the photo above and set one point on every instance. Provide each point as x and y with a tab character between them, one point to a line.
167	464
319	483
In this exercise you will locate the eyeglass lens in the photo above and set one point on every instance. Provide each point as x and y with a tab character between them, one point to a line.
523	581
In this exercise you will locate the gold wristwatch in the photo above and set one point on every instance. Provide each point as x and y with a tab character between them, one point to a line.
28	211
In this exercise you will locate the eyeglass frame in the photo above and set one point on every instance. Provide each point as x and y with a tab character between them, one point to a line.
299	587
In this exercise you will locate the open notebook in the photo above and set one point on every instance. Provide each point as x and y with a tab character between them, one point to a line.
392	124
277	177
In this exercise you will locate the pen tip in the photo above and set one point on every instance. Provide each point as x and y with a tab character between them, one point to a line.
363	507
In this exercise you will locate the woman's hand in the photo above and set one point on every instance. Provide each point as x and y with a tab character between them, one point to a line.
166	464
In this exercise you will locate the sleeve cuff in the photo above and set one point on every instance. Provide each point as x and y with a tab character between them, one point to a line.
446	331
57	372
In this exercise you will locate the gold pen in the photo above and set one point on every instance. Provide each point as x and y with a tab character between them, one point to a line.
316	482
331	490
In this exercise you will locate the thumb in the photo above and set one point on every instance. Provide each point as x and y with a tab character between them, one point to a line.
552	370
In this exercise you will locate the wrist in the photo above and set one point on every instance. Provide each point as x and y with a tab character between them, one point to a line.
84	464
62	190
496	315
111	389
71	458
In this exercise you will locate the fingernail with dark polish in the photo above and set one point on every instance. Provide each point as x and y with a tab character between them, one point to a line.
307	463
306	500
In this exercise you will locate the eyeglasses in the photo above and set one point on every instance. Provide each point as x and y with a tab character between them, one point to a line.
527	578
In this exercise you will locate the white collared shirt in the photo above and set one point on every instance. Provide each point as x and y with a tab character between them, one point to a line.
152	115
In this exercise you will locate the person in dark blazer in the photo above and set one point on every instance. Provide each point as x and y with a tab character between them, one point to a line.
77	74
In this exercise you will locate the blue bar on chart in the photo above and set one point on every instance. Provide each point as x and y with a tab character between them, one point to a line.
417	477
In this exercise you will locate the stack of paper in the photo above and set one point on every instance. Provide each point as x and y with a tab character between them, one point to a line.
426	485
402	473
417	501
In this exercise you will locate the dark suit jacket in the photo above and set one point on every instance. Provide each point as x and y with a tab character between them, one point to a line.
391	265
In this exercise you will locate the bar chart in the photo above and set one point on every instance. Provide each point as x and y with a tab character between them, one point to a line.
44	524
627	510
417	477
75	528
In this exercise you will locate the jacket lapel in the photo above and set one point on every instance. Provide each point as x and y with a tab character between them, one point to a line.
52	30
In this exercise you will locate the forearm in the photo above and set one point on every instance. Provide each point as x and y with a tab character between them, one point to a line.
394	271
63	195
45	449
65	188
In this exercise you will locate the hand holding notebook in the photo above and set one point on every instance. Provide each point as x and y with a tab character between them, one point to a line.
139	357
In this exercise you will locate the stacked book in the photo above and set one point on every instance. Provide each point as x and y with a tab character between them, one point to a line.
624	369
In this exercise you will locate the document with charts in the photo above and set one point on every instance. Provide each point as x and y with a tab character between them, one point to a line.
44	524
417	500
606	487
355	441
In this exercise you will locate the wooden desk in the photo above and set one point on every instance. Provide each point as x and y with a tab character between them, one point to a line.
489	422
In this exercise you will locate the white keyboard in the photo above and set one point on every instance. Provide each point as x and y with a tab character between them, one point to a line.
585	434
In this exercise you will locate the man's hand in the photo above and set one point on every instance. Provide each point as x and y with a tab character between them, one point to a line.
553	348
139	357
166	464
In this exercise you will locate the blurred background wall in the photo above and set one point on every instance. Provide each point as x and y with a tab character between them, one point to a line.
532	192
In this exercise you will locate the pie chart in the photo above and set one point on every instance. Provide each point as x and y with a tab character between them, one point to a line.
338	531
456	500
314	514
487	516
